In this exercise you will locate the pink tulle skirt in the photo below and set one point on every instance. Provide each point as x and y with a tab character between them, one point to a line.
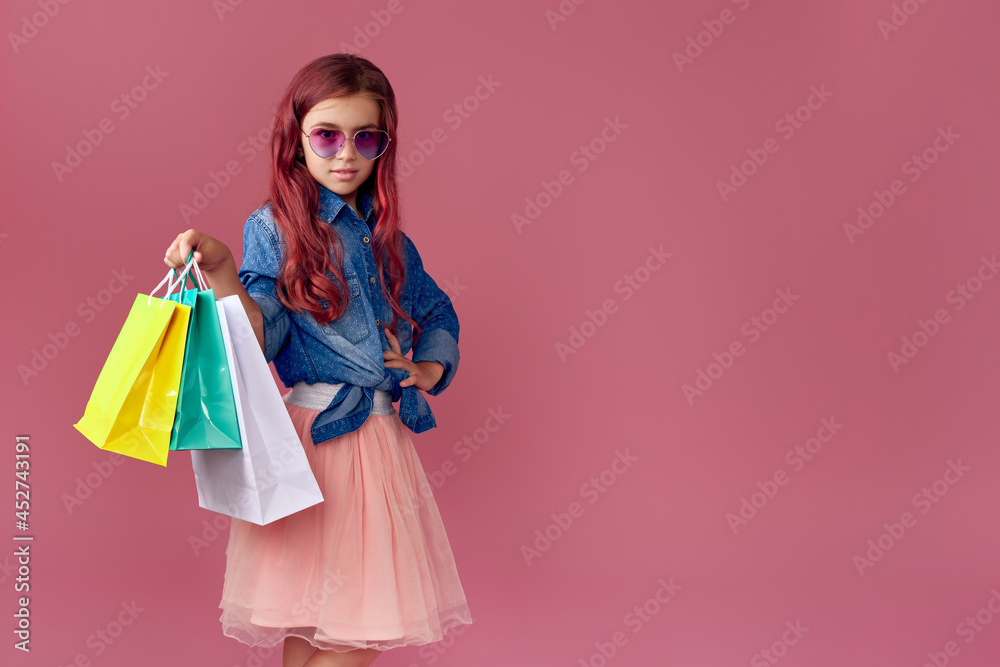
369	567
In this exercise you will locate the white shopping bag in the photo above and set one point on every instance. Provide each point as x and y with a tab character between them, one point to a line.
269	478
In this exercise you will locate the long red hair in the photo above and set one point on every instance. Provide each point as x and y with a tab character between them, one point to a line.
305	283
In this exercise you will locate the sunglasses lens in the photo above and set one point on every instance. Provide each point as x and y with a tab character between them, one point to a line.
325	142
371	144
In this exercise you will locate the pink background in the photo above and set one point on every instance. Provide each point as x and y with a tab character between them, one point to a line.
518	292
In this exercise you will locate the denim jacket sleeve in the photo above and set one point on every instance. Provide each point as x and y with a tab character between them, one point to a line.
433	311
262	251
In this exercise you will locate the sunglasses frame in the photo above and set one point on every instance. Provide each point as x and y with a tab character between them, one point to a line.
320	129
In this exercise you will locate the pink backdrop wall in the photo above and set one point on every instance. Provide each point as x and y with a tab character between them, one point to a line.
717	415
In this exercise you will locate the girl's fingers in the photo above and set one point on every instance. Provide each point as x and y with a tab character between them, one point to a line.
173	252
185	248
171	257
393	343
180	249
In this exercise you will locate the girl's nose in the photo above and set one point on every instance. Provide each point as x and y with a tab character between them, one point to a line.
348	150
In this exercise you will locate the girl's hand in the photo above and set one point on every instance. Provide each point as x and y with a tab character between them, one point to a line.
423	374
211	254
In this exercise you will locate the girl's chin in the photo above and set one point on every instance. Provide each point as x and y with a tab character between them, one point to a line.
340	188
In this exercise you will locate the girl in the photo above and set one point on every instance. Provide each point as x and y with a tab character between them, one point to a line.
333	289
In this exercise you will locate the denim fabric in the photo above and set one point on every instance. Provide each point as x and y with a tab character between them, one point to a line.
350	348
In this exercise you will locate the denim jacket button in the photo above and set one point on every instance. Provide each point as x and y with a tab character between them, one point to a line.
367	239
373	280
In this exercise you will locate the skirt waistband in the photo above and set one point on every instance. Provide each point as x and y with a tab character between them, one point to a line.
319	395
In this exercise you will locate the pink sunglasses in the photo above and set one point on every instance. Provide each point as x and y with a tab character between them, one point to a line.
327	142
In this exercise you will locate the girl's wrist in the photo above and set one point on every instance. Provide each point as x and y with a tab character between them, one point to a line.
434	368
224	277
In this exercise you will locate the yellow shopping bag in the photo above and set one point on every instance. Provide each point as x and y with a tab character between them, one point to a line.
131	409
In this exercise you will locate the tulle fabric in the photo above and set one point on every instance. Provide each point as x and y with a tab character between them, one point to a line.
369	567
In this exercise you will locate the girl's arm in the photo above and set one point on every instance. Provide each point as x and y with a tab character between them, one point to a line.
217	264
434	312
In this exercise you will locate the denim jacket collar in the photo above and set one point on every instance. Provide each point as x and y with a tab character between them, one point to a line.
330	205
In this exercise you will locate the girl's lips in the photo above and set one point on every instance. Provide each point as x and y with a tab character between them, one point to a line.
345	175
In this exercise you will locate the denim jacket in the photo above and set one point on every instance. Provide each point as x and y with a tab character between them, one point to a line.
349	349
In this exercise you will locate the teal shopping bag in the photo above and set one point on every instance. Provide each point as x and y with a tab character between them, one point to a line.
206	410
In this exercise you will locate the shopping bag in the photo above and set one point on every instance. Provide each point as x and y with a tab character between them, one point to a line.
206	409
131	408
269	478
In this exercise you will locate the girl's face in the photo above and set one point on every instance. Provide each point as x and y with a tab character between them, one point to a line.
344	172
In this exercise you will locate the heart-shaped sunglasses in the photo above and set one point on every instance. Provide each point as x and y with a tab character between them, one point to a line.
327	142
